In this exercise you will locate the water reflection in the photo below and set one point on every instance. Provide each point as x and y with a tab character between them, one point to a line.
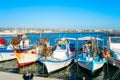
72	72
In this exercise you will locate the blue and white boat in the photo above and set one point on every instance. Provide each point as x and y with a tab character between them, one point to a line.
114	49
90	55
62	55
5	52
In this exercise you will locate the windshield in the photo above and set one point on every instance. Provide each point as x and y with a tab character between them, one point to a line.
61	46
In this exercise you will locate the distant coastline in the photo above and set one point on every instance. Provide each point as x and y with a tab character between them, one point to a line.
34	31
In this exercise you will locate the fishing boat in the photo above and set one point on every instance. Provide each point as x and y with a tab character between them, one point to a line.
26	57
61	56
114	50
5	53
90	56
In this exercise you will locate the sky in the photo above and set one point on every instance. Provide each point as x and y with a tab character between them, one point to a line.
60	14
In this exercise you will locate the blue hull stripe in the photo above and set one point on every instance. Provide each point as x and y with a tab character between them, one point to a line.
6	51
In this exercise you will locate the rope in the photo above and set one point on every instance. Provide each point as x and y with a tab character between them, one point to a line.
72	65
43	69
108	71
116	74
68	68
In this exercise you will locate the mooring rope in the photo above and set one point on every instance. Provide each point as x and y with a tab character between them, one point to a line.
108	70
43	69
116	74
68	68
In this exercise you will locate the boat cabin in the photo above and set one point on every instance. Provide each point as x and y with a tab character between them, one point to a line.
114	43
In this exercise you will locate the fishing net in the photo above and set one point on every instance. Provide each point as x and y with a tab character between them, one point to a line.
15	41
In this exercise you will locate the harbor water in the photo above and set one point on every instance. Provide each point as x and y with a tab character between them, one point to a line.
71	72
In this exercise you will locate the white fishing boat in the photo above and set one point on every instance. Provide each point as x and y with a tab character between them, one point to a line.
90	55
5	53
26	57
114	49
62	55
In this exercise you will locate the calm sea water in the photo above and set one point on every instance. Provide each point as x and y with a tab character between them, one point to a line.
53	36
73	71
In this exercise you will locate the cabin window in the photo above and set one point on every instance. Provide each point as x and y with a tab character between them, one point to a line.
61	46
115	40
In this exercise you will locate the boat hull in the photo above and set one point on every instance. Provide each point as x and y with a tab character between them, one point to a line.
116	55
24	64
53	66
91	66
90	63
26	59
7	55
114	62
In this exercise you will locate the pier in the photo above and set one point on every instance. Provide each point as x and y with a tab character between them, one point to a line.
13	76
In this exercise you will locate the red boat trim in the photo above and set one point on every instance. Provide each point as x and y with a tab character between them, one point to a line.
25	64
